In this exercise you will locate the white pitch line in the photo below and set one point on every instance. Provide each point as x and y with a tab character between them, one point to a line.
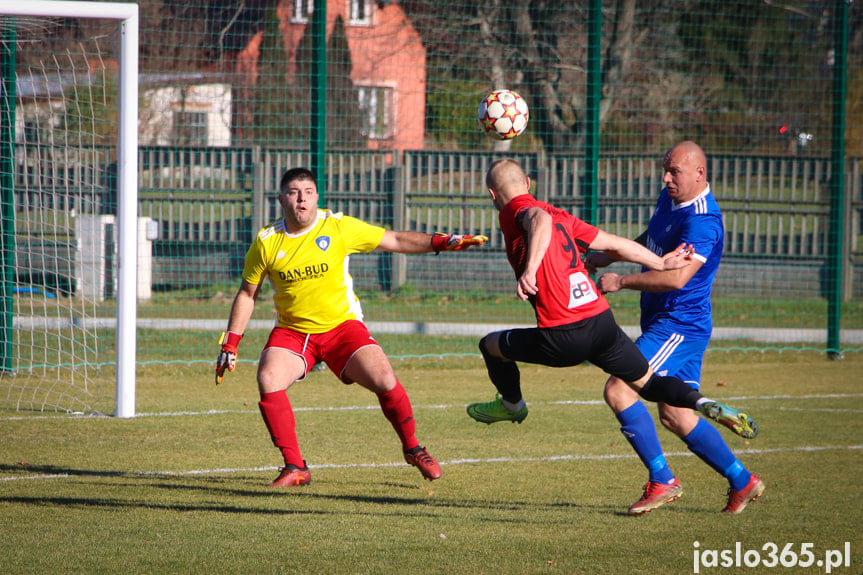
774	397
594	402
551	458
825	410
590	402
53	476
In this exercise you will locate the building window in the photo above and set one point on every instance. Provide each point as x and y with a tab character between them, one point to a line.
302	10
190	128
378	108
42	125
360	12
32	132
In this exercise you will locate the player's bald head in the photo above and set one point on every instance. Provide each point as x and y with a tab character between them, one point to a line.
684	169
507	179
687	152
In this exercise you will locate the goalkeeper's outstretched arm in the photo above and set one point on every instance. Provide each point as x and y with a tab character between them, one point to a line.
420	243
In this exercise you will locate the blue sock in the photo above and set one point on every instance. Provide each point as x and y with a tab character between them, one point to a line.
706	442
638	428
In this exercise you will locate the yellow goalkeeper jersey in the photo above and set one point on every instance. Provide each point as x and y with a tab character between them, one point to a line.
309	271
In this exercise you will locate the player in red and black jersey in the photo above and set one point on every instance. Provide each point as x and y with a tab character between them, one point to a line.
544	245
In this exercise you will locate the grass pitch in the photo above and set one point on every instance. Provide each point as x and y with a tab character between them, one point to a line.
182	487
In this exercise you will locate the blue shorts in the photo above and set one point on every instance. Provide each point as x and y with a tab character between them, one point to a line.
672	353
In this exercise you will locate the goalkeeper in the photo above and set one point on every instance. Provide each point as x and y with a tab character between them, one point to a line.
305	256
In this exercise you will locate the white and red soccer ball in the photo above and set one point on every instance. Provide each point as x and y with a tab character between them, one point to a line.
503	114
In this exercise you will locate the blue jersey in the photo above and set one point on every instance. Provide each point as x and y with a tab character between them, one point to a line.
697	222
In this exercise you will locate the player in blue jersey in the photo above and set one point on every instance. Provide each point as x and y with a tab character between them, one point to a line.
676	325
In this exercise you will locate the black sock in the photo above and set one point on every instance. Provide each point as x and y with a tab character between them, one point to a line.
670	390
503	374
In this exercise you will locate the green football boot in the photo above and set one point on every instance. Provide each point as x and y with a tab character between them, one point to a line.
493	411
737	421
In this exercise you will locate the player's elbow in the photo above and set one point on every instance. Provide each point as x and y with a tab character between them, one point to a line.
674	282
677	284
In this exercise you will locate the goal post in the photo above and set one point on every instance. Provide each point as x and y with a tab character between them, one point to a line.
127	19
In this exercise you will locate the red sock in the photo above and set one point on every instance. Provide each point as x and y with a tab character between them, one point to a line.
397	409
279	418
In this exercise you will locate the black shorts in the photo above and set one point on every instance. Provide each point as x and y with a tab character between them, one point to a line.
598	340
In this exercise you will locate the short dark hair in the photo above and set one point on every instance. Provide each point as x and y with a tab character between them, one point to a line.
293	175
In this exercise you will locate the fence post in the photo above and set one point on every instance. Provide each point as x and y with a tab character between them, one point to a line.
853	184
836	263
396	193
544	178
318	135
259	205
847	278
594	94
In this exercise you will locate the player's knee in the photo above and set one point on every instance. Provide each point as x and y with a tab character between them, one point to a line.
268	383
618	395
381	386
490	352
668	420
266	379
488	347
611	390
379	378
676	420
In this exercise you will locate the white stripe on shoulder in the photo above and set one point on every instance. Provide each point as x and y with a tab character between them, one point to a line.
326	214
693	202
274	228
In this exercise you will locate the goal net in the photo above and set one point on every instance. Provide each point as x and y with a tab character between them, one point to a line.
67	169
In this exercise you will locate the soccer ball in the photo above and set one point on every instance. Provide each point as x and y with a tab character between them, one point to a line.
503	114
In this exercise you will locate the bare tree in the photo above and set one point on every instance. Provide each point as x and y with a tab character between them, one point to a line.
537	47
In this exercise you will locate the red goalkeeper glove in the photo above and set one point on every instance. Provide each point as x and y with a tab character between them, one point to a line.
228	356
451	243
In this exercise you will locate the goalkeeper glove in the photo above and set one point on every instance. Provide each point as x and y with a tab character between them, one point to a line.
450	243
228	356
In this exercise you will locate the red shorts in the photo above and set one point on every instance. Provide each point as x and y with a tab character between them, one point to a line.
335	347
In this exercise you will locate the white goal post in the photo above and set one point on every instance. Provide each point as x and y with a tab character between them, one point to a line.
126	14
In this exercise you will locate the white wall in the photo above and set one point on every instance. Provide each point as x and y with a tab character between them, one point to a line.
162	108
